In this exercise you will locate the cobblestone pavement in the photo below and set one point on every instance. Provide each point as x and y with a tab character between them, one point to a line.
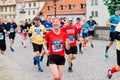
91	65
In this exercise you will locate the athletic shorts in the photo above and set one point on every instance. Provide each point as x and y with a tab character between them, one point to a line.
72	50
24	34
2	45
118	57
85	35
112	36
12	36
56	59
37	47
91	33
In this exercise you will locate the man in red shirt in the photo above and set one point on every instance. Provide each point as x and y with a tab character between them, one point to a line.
72	34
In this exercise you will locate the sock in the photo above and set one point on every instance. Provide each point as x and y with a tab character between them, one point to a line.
80	45
113	69
107	47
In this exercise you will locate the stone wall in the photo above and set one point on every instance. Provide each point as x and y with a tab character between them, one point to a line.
11	71
102	32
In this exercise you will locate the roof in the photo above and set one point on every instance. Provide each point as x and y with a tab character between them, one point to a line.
66	3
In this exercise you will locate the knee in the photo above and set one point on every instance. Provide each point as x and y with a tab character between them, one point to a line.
56	77
74	57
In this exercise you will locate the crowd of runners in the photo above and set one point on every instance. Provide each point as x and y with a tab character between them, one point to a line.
56	37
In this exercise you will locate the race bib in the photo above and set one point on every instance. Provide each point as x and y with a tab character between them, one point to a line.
71	38
57	45
24	31
91	28
1	36
38	32
85	30
11	29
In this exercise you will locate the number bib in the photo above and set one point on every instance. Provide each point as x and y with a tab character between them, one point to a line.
57	45
24	31
38	32
11	29
1	36
71	38
85	30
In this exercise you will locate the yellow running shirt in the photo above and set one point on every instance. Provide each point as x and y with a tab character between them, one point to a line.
118	30
37	34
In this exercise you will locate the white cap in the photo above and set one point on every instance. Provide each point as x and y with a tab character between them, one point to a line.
70	18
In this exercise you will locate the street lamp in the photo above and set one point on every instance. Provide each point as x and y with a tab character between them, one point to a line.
55	7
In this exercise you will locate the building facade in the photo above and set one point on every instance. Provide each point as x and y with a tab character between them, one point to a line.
8	9
31	8
98	10
65	8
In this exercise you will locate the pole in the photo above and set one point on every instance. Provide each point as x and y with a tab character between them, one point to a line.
55	8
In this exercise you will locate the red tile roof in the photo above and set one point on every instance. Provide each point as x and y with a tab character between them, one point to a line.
76	10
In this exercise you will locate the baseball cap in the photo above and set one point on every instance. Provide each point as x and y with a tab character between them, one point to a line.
36	18
78	19
117	10
70	18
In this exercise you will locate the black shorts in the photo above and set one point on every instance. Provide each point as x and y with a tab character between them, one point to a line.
118	57
56	59
91	33
37	47
72	50
2	45
112	36
12	36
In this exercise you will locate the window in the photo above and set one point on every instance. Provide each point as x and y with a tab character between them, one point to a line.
28	12
5	9
29	4
63	7
71	6
34	4
92	2
83	6
96	13
10	9
33	12
14	8
96	2
49	7
92	13
1	9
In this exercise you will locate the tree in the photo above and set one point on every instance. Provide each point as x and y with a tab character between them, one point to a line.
112	5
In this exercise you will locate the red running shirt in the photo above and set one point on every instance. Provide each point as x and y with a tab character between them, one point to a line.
56	42
71	33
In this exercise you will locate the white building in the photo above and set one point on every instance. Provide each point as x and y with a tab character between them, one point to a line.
31	7
98	10
7	9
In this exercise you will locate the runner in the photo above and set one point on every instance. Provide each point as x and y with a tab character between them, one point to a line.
24	32
79	28
12	29
2	36
113	21
85	33
36	34
72	35
92	23
56	40
117	67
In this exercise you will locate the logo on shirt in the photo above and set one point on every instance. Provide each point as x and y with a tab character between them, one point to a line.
1	36
57	45
70	31
38	32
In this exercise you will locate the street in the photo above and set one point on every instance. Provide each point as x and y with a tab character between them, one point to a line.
91	65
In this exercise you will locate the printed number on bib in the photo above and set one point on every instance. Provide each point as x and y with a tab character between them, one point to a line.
85	30
11	29
71	38
38	32
57	45
1	36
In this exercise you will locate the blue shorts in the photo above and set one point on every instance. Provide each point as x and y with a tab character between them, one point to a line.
12	36
85	35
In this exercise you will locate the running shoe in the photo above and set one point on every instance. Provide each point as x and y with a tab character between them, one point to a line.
70	69
22	43
109	74
81	51
40	69
92	46
106	55
11	49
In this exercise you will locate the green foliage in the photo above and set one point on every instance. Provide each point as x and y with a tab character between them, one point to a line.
112	5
